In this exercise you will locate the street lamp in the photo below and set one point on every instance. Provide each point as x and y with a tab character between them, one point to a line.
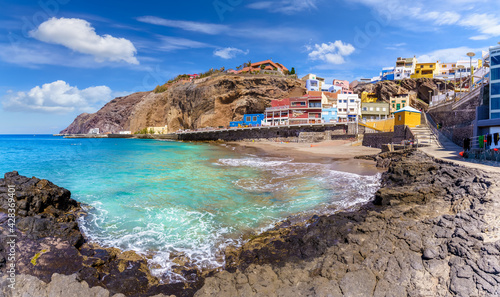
430	96
471	54
461	67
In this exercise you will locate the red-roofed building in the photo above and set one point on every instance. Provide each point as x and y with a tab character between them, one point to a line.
268	65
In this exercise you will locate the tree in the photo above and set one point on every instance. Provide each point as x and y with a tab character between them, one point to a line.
249	65
238	68
292	71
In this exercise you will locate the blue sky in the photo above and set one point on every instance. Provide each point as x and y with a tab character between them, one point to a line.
59	58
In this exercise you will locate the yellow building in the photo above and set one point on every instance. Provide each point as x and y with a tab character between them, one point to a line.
399	101
386	125
427	70
408	116
157	130
368	97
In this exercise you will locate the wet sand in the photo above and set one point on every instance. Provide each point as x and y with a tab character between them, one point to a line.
338	153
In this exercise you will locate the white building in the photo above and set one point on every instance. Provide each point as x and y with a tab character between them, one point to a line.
405	67
125	132
349	107
94	131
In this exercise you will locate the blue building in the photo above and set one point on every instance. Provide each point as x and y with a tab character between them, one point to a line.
249	120
388	73
312	85
329	115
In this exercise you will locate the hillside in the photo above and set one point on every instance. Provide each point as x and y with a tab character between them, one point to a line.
418	88
209	102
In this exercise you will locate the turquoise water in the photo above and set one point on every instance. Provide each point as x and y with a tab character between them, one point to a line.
166	199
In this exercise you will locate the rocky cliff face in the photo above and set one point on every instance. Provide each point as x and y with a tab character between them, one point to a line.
419	88
207	102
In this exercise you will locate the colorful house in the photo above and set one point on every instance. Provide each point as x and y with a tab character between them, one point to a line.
399	101
329	115
375	110
264	65
294	111
368	97
344	84
405	68
249	120
427	70
408	116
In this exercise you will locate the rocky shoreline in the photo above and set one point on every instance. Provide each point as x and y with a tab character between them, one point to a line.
432	230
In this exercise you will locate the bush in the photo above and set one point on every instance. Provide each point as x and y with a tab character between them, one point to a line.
142	131
161	89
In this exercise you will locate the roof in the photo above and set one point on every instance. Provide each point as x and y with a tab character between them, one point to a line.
409	109
315	93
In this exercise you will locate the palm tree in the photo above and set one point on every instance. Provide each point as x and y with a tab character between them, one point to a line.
238	68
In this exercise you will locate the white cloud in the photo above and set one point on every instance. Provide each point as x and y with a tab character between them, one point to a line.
229	52
487	24
449	55
175	43
268	33
57	97
332	53
80	36
427	14
206	28
284	6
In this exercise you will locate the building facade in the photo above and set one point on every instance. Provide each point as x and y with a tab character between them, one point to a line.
399	101
426	70
249	120
349	107
294	111
405	67
329	115
375	110
408	116
495	83
387	73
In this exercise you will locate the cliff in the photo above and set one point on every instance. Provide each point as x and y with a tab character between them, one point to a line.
208	102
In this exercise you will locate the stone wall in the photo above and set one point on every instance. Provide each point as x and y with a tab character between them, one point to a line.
456	124
377	139
296	134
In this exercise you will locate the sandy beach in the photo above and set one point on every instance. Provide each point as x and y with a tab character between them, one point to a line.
339	153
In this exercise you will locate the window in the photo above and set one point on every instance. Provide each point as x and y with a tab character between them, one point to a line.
365	109
495	103
495	115
377	109
248	119
421	66
254	119
444	66
352	101
495	73
418	71
393	106
403	101
399	117
351	109
495	60
384	109
495	89
371	108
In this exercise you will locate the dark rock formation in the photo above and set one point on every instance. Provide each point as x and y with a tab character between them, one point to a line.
49	241
432	231
419	87
210	102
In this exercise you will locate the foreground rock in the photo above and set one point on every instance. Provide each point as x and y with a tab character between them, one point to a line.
431	231
49	243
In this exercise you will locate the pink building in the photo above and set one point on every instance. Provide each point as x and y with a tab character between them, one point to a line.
346	89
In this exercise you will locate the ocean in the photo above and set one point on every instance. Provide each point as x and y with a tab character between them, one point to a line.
165	199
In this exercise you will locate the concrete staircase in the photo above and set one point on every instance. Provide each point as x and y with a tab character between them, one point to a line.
425	136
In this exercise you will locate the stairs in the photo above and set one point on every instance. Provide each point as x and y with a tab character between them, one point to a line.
424	135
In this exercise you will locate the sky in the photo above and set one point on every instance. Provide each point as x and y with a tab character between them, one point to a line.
61	58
